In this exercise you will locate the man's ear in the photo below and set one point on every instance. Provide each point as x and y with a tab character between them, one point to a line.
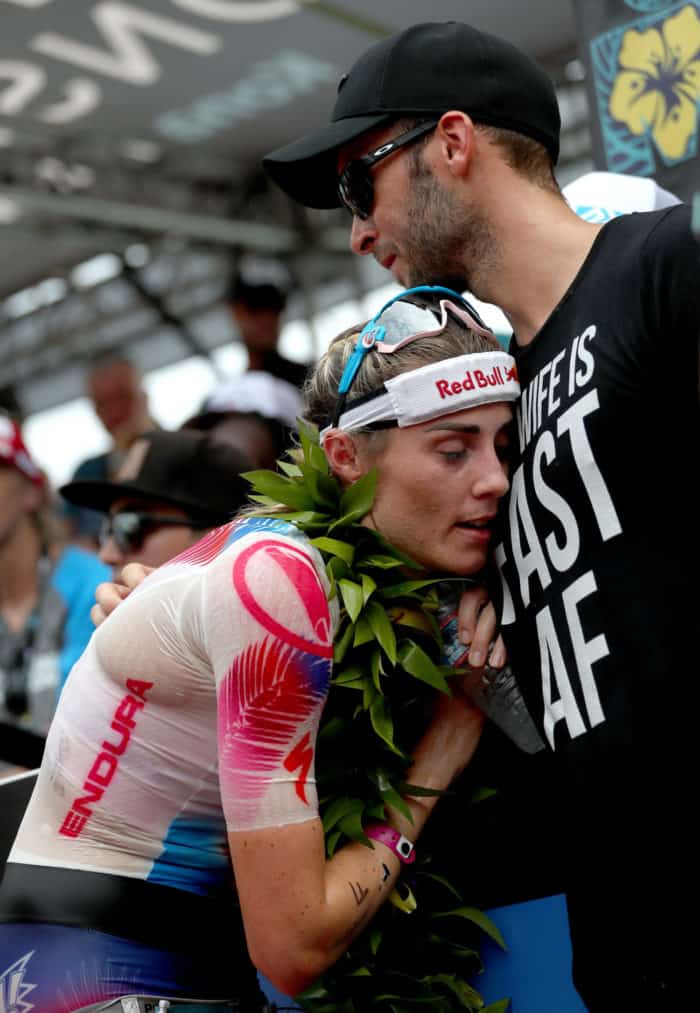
456	136
343	457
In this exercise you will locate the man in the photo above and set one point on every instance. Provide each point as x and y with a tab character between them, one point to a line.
442	144
46	592
171	489
257	298
114	387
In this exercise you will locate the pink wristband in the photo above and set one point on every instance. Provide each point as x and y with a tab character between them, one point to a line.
400	845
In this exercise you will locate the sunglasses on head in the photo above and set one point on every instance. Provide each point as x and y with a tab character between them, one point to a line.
130	528
355	184
418	312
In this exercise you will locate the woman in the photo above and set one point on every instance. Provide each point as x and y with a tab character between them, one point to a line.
182	751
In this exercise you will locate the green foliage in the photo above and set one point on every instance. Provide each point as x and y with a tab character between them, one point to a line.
387	669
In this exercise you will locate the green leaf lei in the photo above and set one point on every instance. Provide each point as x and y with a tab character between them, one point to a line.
422	948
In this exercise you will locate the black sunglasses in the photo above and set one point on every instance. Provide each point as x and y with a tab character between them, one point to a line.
129	528
355	185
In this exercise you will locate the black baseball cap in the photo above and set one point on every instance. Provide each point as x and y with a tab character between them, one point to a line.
260	283
186	469
263	296
422	71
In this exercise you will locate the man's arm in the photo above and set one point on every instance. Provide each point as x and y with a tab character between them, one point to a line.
109	594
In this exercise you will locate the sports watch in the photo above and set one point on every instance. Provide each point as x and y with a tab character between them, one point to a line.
400	845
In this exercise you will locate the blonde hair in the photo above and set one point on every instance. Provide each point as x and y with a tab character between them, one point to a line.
320	392
321	387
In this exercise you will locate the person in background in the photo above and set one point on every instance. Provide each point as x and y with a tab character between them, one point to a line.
46	593
254	412
257	298
599	196
172	488
114	387
442	146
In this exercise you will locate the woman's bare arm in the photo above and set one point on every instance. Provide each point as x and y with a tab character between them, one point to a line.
301	911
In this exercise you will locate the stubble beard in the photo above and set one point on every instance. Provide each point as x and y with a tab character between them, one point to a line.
446	242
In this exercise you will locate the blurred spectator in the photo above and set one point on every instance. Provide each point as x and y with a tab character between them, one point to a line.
600	196
114	386
46	592
10	403
255	413
257	298
169	491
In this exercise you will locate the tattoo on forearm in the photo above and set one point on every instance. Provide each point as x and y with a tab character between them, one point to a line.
358	892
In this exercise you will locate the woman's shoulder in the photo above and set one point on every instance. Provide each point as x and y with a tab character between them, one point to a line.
269	559
269	580
258	527
254	538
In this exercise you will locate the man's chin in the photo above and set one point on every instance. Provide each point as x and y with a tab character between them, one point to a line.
413	278
400	274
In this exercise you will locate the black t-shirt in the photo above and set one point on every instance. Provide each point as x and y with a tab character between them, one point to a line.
599	567
293	372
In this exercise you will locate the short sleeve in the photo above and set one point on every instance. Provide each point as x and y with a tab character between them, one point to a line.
269	638
672	258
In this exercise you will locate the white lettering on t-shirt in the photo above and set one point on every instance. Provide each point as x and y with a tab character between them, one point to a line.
572	421
554	670
543	553
584	356
553	667
562	556
586	652
507	610
542	392
554	402
572	365
530	559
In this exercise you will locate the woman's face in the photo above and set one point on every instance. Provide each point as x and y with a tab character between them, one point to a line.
439	484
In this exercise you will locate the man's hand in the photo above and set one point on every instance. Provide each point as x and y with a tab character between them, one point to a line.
108	595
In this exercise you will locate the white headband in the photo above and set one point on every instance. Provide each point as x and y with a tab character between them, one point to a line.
439	388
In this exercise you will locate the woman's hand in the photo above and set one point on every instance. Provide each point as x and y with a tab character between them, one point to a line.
500	699
477	624
109	594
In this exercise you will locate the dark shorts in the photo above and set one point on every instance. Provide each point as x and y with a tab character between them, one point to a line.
69	939
55	968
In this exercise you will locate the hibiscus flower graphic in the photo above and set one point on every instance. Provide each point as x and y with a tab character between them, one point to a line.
658	87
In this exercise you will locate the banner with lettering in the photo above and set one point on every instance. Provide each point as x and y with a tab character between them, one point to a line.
642	59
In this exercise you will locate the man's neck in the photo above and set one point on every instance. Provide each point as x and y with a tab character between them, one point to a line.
258	359
542	247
